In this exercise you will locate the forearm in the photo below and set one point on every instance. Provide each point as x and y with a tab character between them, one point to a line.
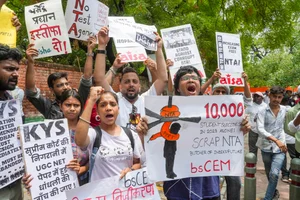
136	166
206	85
83	169
247	92
30	76
109	77
161	73
81	135
88	66
170	85
99	72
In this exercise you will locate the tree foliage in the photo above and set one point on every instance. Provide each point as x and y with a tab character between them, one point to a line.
268	29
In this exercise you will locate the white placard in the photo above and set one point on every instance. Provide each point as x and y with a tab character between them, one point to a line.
85	18
181	48
135	185
46	28
11	161
230	58
194	136
47	150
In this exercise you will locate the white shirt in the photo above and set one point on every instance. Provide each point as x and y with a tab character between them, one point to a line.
125	107
252	109
114	154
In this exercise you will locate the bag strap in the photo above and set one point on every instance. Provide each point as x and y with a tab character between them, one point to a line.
130	136
95	149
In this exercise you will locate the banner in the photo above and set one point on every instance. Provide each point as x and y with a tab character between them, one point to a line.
85	18
47	150
230	59
135	185
194	136
8	33
46	28
11	162
181	48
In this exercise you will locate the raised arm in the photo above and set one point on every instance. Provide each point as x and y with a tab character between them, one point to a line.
215	76
81	134
162	77
30	73
247	92
112	72
100	63
88	66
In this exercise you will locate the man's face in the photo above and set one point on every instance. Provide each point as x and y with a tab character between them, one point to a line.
257	99
220	91
130	86
289	93
8	74
189	85
59	86
275	99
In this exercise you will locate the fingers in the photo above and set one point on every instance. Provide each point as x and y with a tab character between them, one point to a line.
26	180
142	127
124	172
169	63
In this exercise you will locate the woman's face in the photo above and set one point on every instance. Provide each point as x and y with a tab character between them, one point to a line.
71	108
108	109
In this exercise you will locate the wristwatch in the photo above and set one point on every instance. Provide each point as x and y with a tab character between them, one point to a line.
101	51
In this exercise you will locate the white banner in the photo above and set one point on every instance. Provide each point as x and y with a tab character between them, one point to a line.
85	18
230	58
181	48
47	150
135	185
46	28
194	136
11	161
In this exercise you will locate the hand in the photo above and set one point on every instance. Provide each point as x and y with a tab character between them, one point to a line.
245	125
158	40
18	135
142	127
95	93
74	165
118	63
103	38
92	43
169	63
26	180
31	52
150	64
281	146
217	74
124	172
245	76
15	22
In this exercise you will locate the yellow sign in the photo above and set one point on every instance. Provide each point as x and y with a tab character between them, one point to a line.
8	33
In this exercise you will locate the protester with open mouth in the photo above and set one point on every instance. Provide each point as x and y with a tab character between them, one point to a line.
118	151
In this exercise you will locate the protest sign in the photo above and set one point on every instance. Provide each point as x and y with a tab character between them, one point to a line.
135	185
46	28
230	58
11	162
85	18
181	48
47	150
194	136
8	33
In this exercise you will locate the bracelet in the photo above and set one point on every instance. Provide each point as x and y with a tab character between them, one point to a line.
99	51
112	70
86	121
89	54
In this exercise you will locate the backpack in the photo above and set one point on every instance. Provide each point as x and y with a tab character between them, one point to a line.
97	144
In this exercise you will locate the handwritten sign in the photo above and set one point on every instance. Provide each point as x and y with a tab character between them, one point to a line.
46	28
230	58
181	48
11	162
47	149
135	185
194	136
85	18
8	33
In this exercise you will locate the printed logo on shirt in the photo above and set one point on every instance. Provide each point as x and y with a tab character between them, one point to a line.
115	153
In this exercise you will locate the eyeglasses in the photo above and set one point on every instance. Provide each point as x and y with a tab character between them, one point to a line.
185	78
